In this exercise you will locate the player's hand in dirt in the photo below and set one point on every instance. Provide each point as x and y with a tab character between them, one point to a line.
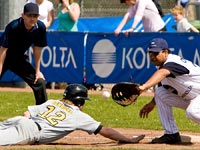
135	139
138	138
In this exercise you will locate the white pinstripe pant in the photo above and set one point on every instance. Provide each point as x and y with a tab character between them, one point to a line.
165	100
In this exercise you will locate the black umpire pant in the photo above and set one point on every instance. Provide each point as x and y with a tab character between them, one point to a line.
26	71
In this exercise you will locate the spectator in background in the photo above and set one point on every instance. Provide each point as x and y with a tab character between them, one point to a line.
182	23
46	11
68	15
159	7
141	10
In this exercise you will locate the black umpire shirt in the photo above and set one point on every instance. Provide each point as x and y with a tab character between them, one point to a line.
17	39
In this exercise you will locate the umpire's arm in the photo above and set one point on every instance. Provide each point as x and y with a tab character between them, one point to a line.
37	58
3	51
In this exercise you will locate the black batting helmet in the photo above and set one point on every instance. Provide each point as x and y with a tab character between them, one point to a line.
77	93
122	1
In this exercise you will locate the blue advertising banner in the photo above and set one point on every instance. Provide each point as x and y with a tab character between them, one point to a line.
105	58
113	59
62	60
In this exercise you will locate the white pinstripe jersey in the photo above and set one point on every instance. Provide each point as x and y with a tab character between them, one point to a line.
184	77
58	119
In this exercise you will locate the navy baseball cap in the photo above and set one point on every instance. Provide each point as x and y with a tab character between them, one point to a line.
157	45
31	8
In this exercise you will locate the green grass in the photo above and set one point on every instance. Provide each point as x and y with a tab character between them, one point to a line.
103	110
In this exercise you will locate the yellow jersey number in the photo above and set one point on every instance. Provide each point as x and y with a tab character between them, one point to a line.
52	119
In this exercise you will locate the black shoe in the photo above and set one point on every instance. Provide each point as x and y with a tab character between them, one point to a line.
168	139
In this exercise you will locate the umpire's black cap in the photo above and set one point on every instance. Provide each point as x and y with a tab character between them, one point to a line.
31	8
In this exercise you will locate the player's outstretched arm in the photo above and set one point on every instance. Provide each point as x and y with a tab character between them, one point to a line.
115	135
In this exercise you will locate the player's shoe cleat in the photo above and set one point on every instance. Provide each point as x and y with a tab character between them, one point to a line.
168	139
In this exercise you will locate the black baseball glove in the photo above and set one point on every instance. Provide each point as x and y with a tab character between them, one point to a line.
125	93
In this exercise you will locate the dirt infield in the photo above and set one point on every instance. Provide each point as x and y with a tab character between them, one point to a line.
82	140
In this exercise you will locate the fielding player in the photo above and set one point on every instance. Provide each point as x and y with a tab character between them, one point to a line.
55	119
18	36
180	87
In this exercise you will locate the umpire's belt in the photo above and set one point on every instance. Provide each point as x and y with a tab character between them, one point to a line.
39	127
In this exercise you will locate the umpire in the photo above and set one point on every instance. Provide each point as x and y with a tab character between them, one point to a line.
18	36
